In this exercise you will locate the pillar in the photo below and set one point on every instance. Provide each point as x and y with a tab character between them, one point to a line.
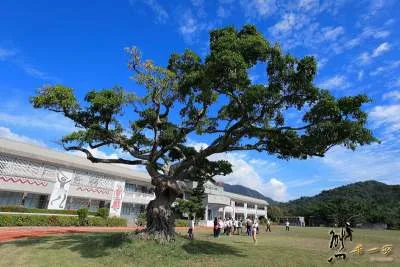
233	209
223	213
245	210
266	211
255	213
206	214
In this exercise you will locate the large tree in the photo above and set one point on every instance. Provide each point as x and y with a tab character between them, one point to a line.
212	98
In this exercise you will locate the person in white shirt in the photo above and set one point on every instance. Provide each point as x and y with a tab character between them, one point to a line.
235	226
254	231
287	225
191	228
220	226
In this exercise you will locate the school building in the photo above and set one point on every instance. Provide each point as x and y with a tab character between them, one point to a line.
37	177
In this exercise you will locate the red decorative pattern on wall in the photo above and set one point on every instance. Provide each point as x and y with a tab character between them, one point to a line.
94	190
20	180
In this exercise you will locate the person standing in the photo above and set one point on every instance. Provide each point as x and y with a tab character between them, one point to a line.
235	226
348	232
254	228
220	226
240	225
249	224
191	227
215	226
268	229
287	225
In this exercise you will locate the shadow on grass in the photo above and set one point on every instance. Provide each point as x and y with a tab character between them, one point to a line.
200	247
87	245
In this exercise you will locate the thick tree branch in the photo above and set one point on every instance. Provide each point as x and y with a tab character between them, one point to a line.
93	159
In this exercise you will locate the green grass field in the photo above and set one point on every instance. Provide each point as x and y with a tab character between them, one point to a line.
299	247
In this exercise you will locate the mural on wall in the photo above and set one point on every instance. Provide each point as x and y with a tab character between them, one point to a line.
116	201
19	170
93	183
59	195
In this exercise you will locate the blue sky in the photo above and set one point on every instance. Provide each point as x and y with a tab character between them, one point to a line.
81	45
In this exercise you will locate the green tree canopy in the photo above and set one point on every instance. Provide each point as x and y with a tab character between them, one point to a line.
214	98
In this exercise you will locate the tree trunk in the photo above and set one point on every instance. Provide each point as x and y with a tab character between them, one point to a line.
160	216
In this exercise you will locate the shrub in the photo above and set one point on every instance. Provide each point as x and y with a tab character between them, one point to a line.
49	211
141	219
103	213
115	221
96	221
262	220
43	220
181	223
83	216
6	220
53	220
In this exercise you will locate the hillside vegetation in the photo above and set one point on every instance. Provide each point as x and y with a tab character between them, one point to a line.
360	203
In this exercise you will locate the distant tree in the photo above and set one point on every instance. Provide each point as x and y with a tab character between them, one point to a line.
193	205
212	98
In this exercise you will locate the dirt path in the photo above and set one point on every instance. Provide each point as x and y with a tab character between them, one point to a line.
13	233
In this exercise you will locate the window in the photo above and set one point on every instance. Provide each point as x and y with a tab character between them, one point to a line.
130	187
10	198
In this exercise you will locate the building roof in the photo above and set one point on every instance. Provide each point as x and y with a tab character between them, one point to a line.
239	197
62	159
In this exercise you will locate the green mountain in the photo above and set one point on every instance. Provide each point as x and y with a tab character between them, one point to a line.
240	189
361	202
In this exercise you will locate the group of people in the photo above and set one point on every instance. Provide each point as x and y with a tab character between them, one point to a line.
231	226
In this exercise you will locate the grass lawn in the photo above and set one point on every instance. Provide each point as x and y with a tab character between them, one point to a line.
299	247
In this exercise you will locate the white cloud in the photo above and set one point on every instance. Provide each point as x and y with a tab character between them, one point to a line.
360	75
161	14
365	57
382	48
336	82
392	95
245	171
197	3
49	121
275	189
191	25
331	34
377	162
288	23
308	4
11	55
387	116
386	67
7	53
395	83
8	134
258	8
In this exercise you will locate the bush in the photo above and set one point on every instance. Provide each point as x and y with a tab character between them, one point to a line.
53	220
96	221
115	221
43	220
103	213
141	219
83	216
181	223
27	210
6	220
